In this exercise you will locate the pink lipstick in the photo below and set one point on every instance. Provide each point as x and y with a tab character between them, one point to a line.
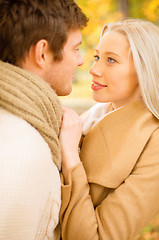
97	86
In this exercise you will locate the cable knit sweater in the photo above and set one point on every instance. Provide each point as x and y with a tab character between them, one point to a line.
29	182
30	159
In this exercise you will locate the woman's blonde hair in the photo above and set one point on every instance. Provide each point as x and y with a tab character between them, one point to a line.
143	37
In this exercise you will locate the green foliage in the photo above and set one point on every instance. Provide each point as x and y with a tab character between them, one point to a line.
136	8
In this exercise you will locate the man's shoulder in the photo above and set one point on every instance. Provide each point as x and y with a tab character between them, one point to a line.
16	133
14	126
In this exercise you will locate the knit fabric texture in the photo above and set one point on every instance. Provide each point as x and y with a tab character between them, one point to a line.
32	99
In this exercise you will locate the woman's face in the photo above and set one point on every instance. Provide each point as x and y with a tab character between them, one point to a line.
113	74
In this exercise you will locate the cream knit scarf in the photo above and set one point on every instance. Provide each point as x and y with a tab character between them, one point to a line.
32	99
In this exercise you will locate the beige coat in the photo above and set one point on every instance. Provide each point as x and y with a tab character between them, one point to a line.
120	194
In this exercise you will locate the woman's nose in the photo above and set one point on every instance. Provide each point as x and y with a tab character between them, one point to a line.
91	71
94	71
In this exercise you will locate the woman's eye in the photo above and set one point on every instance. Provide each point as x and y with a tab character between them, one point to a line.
96	58
111	60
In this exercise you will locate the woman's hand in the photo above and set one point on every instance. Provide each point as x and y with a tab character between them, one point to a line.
70	135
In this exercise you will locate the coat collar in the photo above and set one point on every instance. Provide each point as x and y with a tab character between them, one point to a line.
112	147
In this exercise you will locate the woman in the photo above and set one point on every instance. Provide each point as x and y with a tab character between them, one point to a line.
112	193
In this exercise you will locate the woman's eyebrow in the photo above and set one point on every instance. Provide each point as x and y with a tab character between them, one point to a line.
108	52
113	53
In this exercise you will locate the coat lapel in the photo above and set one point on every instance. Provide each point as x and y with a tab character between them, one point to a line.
113	146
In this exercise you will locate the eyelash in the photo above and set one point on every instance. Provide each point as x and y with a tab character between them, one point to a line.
96	58
109	58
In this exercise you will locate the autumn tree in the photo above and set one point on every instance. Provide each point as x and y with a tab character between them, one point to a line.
123	7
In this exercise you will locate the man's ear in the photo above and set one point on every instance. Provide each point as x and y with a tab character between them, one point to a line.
37	58
40	52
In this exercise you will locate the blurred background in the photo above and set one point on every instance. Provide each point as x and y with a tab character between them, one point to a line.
100	12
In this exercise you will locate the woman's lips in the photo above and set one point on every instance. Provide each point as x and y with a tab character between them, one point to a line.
97	86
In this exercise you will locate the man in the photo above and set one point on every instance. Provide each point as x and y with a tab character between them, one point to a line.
39	42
